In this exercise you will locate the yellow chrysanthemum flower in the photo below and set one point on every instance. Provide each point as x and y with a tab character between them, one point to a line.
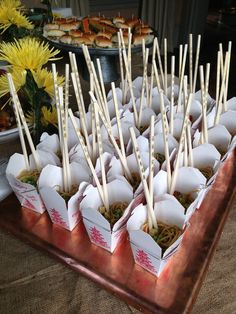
11	4
11	16
18	76
27	53
44	79
49	116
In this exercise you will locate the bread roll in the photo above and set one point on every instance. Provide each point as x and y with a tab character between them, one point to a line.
106	21
140	25
67	27
144	30
115	39
122	25
118	19
50	26
66	39
78	41
103	42
137	39
55	34
132	22
91	36
105	34
76	33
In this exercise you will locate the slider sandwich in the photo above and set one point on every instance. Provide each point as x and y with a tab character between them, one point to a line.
118	19
144	30
67	27
66	39
78	41
106	21
122	25
55	34
104	33
90	35
132	22
138	38
125	37
141	24
76	33
103	42
50	26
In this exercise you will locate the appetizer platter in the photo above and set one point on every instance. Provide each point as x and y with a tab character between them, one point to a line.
123	193
98	33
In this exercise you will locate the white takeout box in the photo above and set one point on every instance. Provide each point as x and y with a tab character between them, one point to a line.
228	119
204	155
125	126
66	215
27	194
231	103
156	100
49	143
146	252
98	228
218	135
190	180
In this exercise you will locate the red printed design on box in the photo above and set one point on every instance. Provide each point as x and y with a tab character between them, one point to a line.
97	237
56	218
143	259
27	204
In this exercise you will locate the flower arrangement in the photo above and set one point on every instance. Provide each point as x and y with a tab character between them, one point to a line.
13	23
26	58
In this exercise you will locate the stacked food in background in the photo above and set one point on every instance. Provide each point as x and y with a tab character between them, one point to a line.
97	31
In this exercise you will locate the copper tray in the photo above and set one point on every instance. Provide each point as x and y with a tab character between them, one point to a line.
174	291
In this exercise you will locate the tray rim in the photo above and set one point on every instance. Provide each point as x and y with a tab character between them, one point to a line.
108	283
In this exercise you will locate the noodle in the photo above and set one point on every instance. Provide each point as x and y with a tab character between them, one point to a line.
184	199
207	172
161	158
67	195
30	177
164	235
116	211
143	128
135	180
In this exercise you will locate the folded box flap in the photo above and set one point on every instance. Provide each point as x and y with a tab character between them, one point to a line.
16	164
95	217
142	239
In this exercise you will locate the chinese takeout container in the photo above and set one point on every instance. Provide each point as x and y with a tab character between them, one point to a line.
62	213
191	181
218	135
27	194
98	228
146	252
